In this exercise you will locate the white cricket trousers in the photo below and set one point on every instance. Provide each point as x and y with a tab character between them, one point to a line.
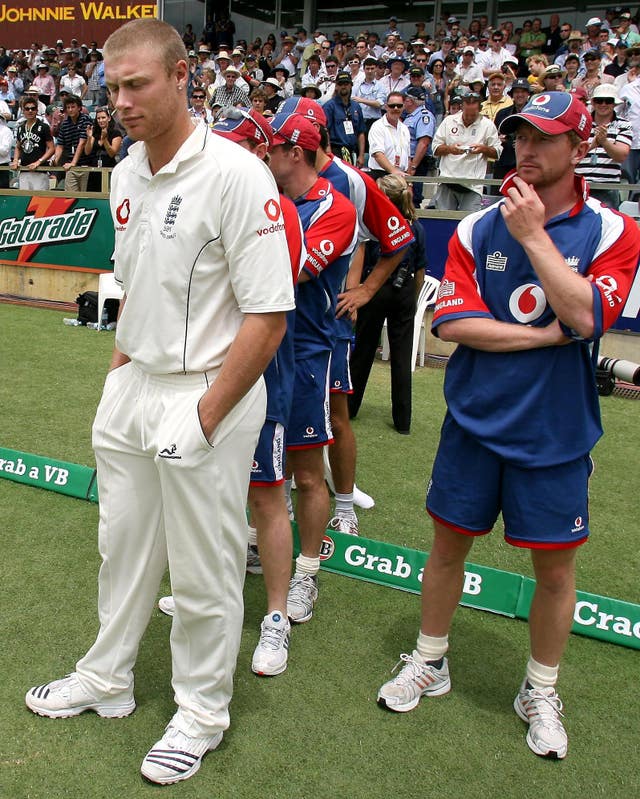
167	495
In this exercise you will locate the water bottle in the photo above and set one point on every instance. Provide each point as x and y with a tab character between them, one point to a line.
104	321
70	322
92	326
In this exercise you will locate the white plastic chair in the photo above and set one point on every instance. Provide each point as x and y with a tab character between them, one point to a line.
108	289
427	297
631	208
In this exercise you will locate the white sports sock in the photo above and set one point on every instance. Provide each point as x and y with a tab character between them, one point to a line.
431	648
253	536
344	505
306	565
541	676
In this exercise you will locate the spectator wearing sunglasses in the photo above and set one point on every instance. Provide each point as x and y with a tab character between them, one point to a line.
390	141
609	146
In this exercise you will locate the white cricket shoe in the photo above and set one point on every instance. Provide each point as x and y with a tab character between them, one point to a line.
63	698
176	756
270	656
541	708
303	592
415	680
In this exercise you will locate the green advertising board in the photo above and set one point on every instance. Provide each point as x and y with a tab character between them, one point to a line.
604	618
56	231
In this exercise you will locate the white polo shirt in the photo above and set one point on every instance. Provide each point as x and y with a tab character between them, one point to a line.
198	245
452	131
394	142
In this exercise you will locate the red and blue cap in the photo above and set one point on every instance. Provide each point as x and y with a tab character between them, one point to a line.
295	129
306	107
243	125
552	113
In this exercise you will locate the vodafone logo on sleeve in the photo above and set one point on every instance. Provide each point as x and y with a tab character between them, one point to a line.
123	211
274	216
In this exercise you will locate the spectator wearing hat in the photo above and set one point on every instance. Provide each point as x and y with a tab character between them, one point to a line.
497	100
285	79
625	30
421	123
389	140
15	82
609	146
572	70
552	79
274	97
345	122
369	94
574	46
231	93
204	58
445	49
593	28
464	142
287	57
520	92
396	80
392	29
44	82
619	63
70	143
467	70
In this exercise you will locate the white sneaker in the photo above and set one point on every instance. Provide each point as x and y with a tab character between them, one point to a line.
176	756
541	708
415	680
66	697
270	656
167	605
303	592
344	524
253	560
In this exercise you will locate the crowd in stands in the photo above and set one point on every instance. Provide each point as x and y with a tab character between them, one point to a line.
470	69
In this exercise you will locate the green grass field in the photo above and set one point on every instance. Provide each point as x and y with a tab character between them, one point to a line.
315	731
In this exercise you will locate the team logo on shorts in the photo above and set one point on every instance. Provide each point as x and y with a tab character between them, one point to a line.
310	432
527	303
327	548
578	525
255	466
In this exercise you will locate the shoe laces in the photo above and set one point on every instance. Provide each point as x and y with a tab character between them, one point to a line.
300	587
547	704
410	671
271	636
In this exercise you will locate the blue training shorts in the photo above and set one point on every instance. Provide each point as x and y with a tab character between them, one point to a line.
340	372
542	508
267	468
309	425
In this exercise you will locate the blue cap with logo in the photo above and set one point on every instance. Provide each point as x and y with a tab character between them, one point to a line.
552	113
